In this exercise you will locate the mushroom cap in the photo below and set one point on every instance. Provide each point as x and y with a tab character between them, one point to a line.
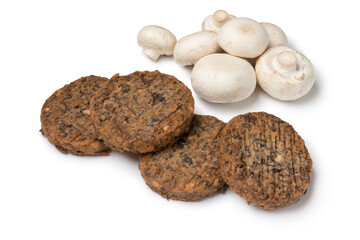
277	36
223	78
192	47
156	40
243	37
284	73
216	21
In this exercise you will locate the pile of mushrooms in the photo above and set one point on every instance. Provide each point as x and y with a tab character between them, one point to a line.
230	55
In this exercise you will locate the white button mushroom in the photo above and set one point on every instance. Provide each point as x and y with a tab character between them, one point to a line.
243	37
214	22
284	73
192	47
156	41
223	78
277	36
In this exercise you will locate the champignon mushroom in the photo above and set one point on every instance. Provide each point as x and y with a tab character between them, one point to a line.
277	36
284	73
192	47
156	41
243	37
223	78
214	22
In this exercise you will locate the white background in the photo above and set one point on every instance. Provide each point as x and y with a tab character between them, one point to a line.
45	194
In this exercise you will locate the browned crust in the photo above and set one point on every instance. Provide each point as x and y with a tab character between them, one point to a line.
189	169
142	112
264	160
65	118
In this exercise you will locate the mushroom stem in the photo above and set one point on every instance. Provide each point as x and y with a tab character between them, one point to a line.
287	60
152	53
220	15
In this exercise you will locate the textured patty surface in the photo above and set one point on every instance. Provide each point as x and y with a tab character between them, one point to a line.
189	169
264	160
142	112
65	118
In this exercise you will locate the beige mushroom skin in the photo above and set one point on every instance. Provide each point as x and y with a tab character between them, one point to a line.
243	37
284	73
277	36
191	48
216	21
156	41
223	78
